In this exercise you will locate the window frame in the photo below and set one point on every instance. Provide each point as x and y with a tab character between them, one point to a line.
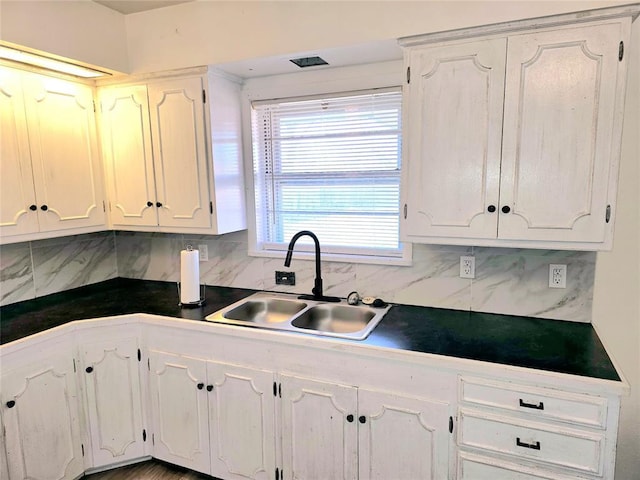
342	81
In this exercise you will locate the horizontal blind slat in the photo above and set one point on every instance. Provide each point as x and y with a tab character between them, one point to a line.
330	165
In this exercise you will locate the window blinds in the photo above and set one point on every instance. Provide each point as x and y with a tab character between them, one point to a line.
330	165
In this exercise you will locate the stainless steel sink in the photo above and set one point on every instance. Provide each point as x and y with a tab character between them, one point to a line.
265	310
286	312
335	318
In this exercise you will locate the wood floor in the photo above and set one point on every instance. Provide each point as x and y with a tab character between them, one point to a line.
150	470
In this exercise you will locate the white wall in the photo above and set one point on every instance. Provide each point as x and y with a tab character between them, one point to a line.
210	32
616	302
76	29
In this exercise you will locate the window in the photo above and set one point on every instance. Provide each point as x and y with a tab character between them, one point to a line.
329	164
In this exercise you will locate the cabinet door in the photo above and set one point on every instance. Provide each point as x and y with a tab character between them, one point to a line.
241	419
41	420
179	150
415	429
319	429
17	194
112	380
64	153
179	410
560	105
4	468
455	129
126	133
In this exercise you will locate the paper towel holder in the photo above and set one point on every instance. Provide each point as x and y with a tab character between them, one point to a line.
197	303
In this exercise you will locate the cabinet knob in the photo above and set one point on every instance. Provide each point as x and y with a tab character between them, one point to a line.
158	204
349	418
149	204
362	419
33	208
491	208
88	369
11	404
209	388
44	208
200	386
506	209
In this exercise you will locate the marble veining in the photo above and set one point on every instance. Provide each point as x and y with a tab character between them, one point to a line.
82	260
508	281
16	274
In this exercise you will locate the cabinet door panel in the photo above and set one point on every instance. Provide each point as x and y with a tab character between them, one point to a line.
113	399
415	428
128	156
179	150
558	130
66	165
180	422
455	110
16	192
317	440
241	418
42	427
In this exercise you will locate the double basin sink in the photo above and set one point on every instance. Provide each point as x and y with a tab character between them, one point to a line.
287	312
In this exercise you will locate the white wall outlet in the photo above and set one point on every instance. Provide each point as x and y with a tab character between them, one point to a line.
557	276
204	252
467	266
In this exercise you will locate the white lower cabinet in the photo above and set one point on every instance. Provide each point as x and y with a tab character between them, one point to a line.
40	414
212	417
179	410
242	404
319	429
241	422
416	428
111	378
342	432
549	433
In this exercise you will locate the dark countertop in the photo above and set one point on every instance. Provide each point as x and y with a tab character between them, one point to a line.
552	345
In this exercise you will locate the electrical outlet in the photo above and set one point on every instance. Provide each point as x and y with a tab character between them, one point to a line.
285	278
204	253
467	266
557	276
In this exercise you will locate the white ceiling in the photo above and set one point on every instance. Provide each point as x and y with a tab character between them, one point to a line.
135	6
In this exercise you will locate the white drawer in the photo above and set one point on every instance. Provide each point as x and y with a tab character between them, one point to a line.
540	402
550	444
475	467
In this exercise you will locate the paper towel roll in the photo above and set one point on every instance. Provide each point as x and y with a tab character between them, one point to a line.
189	276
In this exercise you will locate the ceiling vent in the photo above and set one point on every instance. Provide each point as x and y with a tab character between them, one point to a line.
309	61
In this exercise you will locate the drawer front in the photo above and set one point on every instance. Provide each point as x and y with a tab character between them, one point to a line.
546	443
473	467
540	402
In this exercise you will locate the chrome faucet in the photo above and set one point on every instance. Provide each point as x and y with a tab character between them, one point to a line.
317	289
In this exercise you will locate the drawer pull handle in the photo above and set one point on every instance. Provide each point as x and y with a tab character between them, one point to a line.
540	406
534	446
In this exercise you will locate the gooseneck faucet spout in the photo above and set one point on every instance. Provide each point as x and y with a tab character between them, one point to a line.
317	289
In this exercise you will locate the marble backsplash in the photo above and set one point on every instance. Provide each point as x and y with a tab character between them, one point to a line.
38	268
509	281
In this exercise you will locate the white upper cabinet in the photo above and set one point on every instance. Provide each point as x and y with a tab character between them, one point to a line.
172	149
128	156
179	149
560	102
51	170
514	140
455	128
